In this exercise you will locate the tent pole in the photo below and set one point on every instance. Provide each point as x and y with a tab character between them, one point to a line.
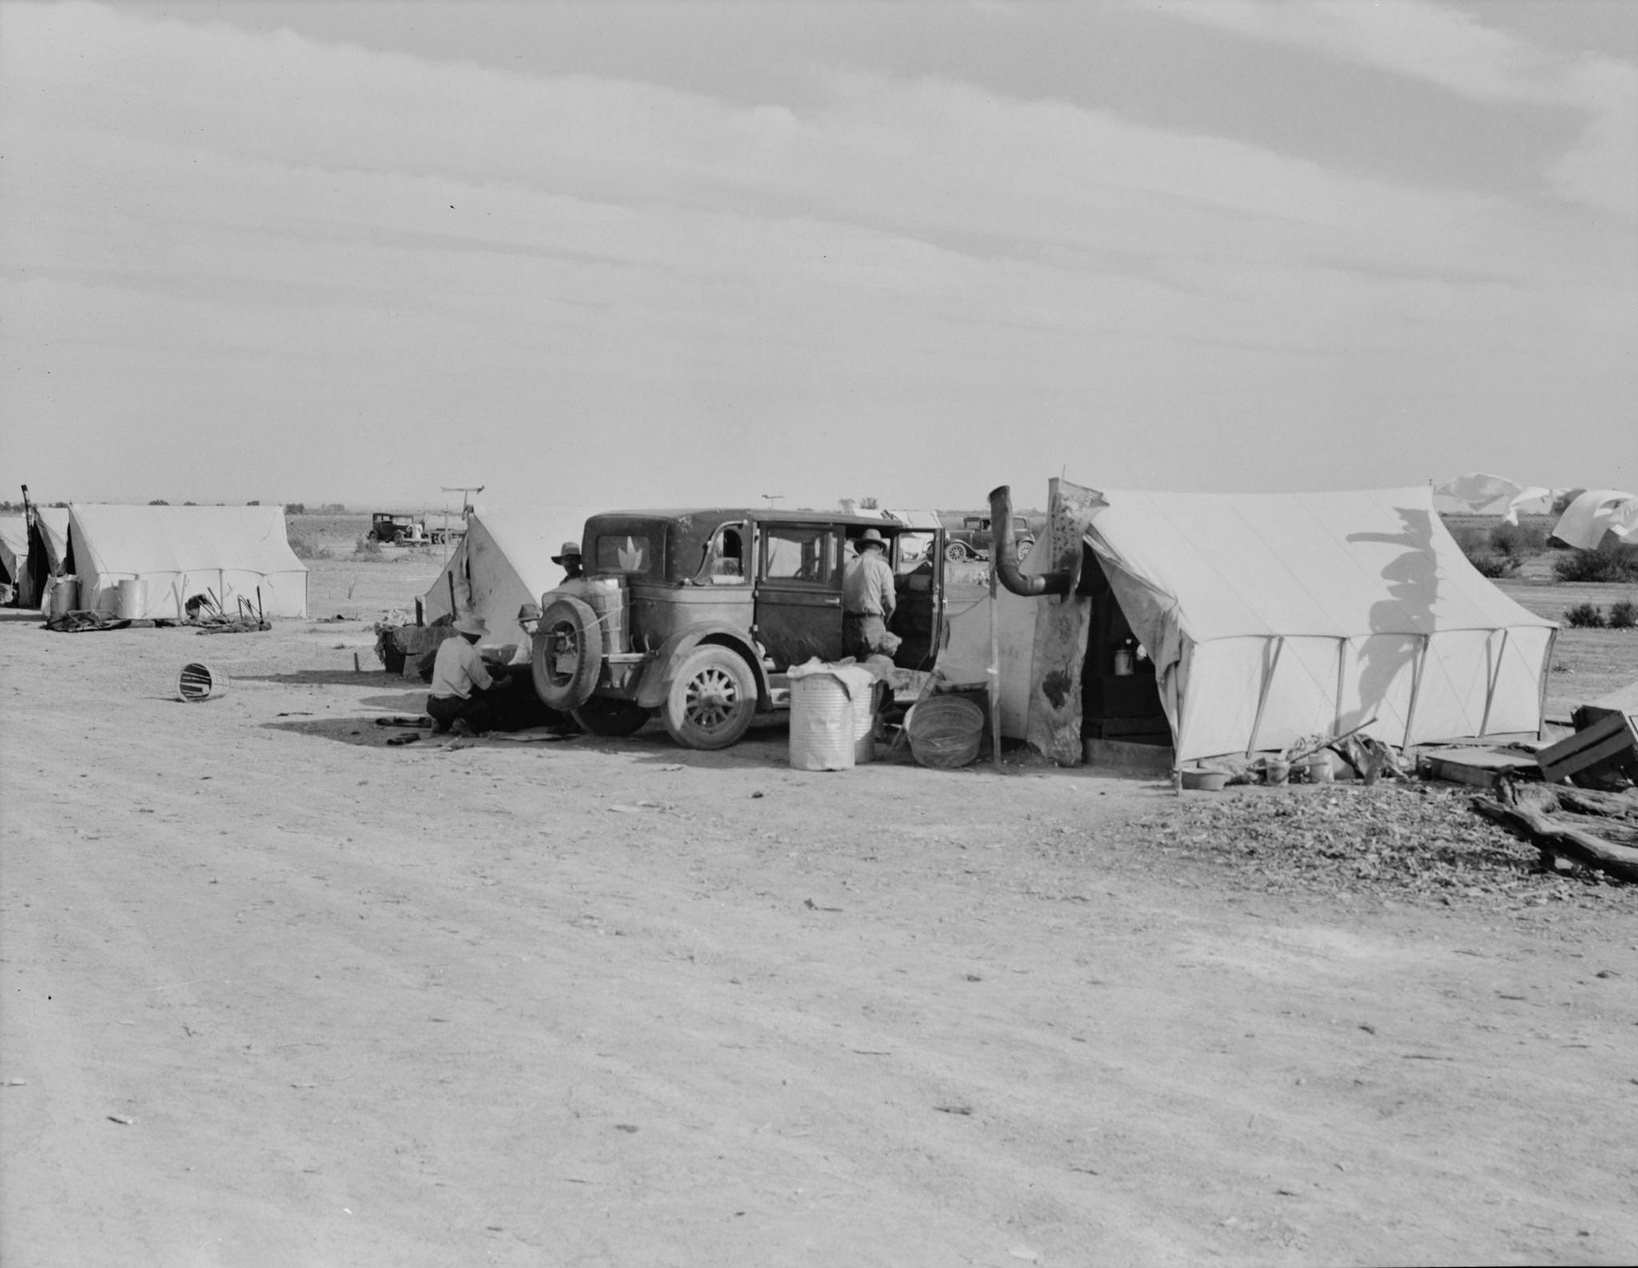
1495	681
1541	692
1262	696
993	673
1416	688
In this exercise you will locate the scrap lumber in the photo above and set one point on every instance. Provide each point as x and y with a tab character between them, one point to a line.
1532	816
1607	746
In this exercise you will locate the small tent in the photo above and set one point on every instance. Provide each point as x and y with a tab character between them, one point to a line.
1598	513
176	552
14	569
48	535
1270	617
503	562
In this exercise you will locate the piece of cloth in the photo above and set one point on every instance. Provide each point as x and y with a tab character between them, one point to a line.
867	587
458	669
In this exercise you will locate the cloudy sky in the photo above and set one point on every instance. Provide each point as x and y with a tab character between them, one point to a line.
615	254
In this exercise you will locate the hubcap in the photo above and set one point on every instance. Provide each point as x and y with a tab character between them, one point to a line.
713	696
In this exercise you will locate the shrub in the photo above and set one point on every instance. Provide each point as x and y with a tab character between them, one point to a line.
1585	616
1493	565
1475	544
368	547
1609	562
1623	615
307	546
1518	540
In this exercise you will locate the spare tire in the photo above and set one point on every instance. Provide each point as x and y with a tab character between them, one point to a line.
568	654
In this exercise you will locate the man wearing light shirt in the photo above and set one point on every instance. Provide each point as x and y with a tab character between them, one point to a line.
868	599
461	683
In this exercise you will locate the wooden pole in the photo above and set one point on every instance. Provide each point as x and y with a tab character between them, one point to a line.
993	673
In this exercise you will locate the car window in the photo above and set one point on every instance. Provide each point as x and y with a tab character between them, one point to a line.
725	556
635	554
799	553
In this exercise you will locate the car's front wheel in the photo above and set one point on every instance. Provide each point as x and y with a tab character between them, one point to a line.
955	552
712	699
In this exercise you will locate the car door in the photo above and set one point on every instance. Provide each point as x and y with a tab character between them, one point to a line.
798	591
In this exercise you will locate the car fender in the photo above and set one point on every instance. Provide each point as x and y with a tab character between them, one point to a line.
657	686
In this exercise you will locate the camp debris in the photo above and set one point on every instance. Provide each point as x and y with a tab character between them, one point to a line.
1586	826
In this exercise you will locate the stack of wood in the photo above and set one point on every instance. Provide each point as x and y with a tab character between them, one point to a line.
1571	825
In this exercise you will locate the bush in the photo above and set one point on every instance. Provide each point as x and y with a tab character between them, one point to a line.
307	546
1518	540
368	547
1585	616
1623	615
1609	562
1494	565
1476	545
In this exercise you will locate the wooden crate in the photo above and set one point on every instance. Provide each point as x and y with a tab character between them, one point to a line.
1608	746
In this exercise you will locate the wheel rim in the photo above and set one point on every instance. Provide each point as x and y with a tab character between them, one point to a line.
562	644
713	699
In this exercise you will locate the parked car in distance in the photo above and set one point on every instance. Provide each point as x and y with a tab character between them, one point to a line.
968	535
696	615
393	529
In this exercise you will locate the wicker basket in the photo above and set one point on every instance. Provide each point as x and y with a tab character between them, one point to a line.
945	731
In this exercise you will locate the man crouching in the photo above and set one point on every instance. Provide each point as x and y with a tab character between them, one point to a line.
462	688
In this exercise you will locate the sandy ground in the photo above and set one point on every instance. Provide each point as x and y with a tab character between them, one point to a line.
276	993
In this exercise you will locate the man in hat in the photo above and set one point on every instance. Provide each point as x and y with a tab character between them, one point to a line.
462	688
569	558
868	599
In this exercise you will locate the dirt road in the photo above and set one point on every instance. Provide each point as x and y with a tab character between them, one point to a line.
278	994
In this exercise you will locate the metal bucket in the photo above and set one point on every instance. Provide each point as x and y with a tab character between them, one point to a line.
133	598
64	598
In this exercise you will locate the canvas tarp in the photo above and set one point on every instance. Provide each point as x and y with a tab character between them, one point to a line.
51	529
1271	617
177	552
14	551
1597	512
503	562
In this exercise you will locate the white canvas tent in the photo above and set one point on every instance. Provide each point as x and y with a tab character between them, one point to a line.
1595	513
503	562
1270	617
14	551
51	526
176	552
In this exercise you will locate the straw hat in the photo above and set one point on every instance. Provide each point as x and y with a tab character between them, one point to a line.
871	537
568	548
472	625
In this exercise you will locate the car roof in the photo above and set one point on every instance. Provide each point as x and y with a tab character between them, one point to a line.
764	514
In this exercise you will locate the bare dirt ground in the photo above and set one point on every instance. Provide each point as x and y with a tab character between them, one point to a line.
276	993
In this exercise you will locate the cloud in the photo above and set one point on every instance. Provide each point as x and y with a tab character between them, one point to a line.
289	233
1457	52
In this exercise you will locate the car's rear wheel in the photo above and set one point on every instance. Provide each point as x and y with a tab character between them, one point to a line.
602	716
567	654
712	699
955	552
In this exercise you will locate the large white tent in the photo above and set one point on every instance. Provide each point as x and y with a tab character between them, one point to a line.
1270	617
503	562
176	552
1594	514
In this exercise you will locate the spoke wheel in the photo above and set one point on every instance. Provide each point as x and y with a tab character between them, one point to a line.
955	552
712	699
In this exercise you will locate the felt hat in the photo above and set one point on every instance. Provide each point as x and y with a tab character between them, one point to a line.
472	625
871	537
568	548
